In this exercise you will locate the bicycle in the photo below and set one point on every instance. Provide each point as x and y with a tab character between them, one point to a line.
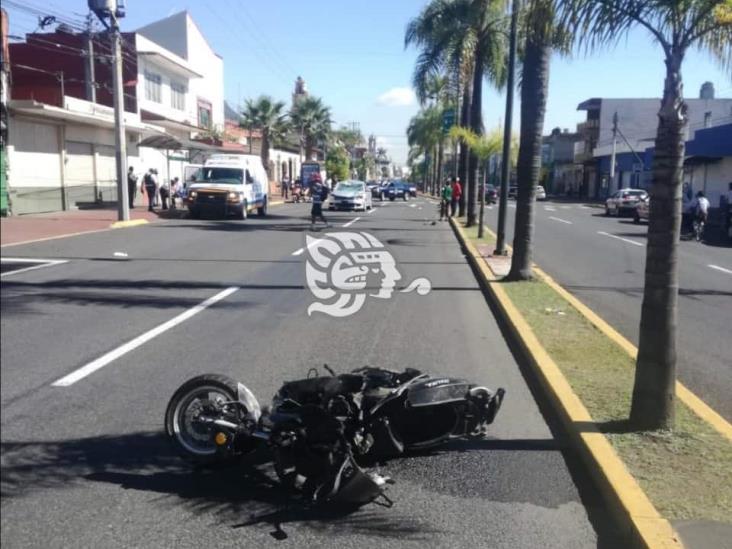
699	228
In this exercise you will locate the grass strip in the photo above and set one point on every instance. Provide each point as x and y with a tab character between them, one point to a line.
687	474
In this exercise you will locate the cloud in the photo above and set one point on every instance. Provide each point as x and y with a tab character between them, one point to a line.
397	97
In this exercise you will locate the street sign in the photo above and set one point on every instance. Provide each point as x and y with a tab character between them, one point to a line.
448	120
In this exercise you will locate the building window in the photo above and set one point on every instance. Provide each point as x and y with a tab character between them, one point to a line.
204	114
152	87
178	96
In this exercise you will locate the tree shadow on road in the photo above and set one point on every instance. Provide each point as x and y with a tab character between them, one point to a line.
239	495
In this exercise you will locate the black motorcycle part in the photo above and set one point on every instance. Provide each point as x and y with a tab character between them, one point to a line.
194	440
386	442
319	391
432	392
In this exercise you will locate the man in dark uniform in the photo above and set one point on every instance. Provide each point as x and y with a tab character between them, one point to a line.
318	193
131	186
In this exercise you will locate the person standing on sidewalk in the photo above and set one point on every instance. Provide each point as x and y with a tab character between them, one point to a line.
446	199
457	192
285	187
131	186
151	188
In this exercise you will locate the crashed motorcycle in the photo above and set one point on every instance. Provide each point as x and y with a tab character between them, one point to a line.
322	430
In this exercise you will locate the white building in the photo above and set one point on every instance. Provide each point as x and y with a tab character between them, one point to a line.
180	88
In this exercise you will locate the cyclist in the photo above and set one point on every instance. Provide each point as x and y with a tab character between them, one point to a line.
701	211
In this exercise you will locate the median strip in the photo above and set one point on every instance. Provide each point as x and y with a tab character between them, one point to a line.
647	478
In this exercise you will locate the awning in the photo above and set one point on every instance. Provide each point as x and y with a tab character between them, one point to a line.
171	143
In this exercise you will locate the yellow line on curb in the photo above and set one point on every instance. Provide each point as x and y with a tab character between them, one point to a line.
129	223
684	394
626	498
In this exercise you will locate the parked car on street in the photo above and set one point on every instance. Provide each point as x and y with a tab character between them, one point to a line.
540	193
350	195
512	191
397	189
379	191
642	210
491	194
624	201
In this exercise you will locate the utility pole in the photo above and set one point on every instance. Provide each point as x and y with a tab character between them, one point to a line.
506	160
612	156
456	162
114	10
89	78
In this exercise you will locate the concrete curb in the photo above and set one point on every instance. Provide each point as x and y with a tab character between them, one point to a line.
129	223
641	522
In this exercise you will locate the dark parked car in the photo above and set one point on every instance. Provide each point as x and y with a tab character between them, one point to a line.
512	191
379	190
491	194
397	189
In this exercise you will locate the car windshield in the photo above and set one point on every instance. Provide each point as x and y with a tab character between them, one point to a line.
349	186
220	176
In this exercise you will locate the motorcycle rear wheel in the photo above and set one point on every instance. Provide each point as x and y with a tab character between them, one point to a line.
193	440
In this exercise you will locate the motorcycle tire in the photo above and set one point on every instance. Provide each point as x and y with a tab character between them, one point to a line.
197	447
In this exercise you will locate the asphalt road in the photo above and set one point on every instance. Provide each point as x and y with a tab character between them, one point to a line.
602	261
86	465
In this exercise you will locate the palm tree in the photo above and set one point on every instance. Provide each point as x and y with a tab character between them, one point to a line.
268	116
676	27
311	117
458	33
423	134
540	34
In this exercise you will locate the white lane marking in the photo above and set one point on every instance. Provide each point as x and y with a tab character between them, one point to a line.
512	206
351	222
560	220
566	207
372	210
114	354
35	264
412	205
550	208
299	251
718	268
621	238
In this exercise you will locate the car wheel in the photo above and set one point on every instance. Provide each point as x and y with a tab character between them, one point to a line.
243	213
636	218
263	210
607	211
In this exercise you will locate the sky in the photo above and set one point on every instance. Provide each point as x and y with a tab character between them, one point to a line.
351	53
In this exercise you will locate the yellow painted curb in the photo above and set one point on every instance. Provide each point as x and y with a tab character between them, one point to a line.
631	506
130	223
276	202
697	405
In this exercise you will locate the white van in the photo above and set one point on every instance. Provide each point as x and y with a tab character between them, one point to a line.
228	184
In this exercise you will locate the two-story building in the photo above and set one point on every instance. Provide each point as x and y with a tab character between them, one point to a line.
61	127
637	123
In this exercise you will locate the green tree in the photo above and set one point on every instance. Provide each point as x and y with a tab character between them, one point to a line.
540	34
269	117
423	134
337	163
676	26
456	34
311	118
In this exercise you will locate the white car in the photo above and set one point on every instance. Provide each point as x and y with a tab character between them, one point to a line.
540	193
350	195
642	210
624	201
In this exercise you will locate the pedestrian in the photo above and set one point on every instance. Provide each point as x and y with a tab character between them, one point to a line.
446	198
457	192
318	192
164	195
174	192
285	186
151	188
131	186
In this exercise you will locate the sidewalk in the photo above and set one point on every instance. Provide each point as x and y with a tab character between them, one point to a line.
32	227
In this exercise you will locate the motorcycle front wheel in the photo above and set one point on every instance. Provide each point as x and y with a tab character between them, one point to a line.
205	396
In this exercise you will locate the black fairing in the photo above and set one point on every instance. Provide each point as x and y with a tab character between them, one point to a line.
435	391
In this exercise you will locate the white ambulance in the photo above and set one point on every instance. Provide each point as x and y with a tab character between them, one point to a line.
228	184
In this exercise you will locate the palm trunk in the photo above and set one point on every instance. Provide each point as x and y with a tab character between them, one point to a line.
533	108
435	175
309	146
440	147
476	124
464	152
655	373
264	153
